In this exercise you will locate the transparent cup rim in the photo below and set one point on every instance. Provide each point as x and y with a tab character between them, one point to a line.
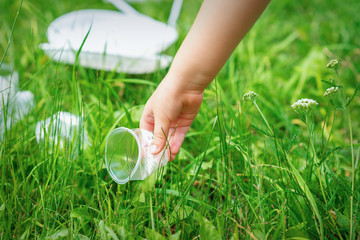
113	176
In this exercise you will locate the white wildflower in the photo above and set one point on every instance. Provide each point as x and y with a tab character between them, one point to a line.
332	63
304	104
331	91
250	96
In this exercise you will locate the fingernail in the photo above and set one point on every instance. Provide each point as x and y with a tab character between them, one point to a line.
153	149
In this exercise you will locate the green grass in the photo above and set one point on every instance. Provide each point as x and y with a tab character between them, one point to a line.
244	171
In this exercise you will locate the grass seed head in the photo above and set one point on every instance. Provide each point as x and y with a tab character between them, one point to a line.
304	105
331	91
250	96
332	63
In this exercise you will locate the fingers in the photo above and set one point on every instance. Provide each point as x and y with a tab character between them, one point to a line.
159	116
158	124
147	120
176	139
161	131
164	131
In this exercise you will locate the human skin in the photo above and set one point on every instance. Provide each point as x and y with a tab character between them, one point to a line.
217	30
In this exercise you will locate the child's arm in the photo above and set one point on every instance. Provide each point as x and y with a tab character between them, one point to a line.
217	30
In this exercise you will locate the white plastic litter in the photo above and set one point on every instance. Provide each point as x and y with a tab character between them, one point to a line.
128	157
125	41
60	128
17	104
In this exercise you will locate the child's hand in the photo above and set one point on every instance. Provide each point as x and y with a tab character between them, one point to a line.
211	40
170	108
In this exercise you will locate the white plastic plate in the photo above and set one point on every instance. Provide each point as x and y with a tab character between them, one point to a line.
124	41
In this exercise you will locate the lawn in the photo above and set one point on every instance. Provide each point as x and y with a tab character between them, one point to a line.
256	169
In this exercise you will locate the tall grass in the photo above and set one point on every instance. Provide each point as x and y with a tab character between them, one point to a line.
245	171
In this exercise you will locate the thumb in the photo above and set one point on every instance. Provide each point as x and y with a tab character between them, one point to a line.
161	131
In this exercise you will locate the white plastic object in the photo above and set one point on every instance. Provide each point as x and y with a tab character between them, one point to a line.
9	81
17	104
128	157
126	41
61	127
175	13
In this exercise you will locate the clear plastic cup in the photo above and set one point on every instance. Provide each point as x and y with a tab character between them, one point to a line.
128	157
